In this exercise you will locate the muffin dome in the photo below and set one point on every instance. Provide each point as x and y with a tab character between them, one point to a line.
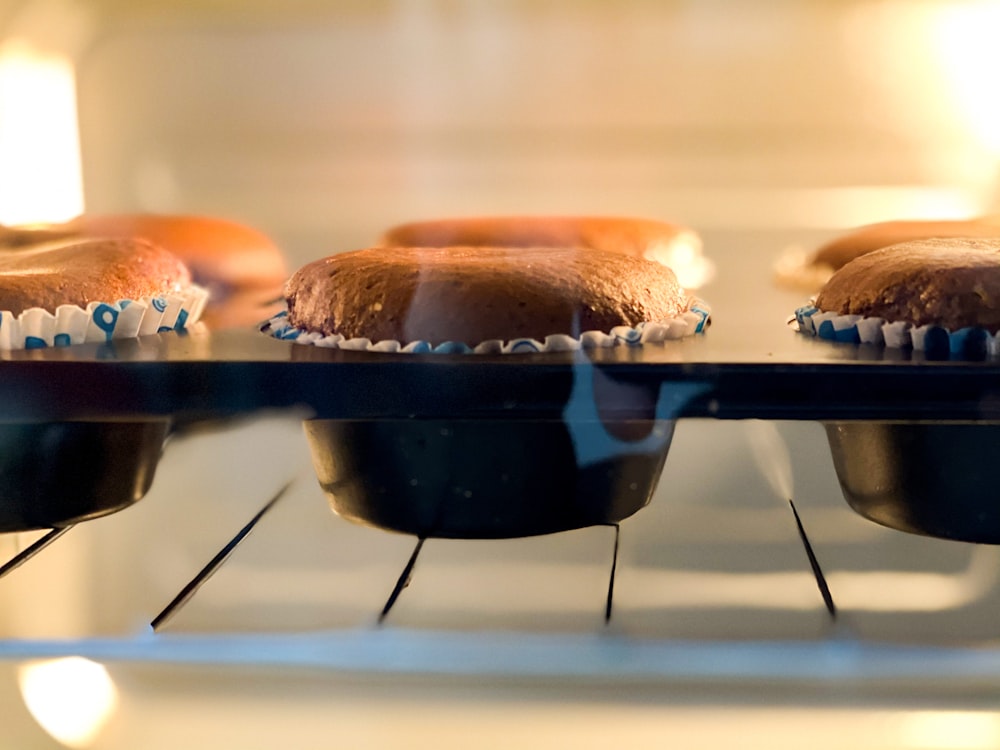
475	294
953	283
841	250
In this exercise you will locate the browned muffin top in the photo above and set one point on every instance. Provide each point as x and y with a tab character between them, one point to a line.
841	250
242	269
475	294
641	237
77	272
953	283
221	254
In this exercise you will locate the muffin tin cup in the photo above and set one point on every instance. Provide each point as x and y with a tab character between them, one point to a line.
55	474
486	479
935	479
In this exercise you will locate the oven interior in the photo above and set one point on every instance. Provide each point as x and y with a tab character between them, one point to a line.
764	125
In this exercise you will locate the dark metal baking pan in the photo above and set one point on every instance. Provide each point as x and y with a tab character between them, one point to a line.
726	374
936	479
55	474
763	372
501	477
487	478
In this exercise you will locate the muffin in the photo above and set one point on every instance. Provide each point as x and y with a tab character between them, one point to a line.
941	296
494	477
896	296
673	245
242	269
485	299
75	290
811	271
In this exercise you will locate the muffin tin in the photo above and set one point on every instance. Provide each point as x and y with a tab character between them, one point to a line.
55	474
376	421
931	478
483	479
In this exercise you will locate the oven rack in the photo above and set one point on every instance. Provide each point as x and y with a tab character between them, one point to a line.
401	651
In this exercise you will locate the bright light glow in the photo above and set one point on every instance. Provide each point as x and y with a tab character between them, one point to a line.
966	40
683	255
70	698
772	457
40	171
956	730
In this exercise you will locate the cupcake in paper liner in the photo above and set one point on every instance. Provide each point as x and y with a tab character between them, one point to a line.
241	267
78	291
485	300
940	296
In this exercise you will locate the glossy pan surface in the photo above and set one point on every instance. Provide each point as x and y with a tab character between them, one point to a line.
487	478
58	473
935	479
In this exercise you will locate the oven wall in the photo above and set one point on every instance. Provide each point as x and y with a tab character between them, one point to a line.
325	122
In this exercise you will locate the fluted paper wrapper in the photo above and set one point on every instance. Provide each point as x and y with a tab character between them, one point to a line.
688	323
970	342
36	328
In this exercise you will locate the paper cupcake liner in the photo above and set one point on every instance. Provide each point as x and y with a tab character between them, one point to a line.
689	323
970	342
36	328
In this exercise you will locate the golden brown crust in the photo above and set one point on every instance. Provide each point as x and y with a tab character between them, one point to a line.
644	238
222	255
218	252
841	250
77	272
475	294
953	283
241	268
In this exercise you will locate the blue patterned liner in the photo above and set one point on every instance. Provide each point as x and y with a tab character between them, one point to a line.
689	323
36	328
858	329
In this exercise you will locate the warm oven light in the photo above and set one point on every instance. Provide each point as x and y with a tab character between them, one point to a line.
772	457
956	730
684	255
40	165
71	698
966	36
